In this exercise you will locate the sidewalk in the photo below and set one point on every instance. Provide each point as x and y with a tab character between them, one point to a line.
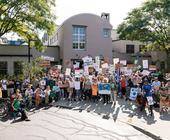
125	112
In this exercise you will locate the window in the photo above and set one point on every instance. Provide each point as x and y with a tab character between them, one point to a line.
106	33
79	37
3	68
130	49
18	67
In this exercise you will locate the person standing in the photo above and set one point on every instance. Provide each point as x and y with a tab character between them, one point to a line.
77	88
4	88
123	86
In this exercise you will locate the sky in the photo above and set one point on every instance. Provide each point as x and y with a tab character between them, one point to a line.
118	9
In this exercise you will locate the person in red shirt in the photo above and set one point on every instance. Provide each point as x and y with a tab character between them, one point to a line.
123	85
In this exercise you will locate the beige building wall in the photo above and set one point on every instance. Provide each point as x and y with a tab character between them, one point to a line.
11	54
96	43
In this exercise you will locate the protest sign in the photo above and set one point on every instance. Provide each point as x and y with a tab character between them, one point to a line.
123	62
68	71
115	61
86	70
128	72
111	69
87	60
78	73
152	68
104	88
97	60
145	64
145	72
96	66
150	100
133	93
105	65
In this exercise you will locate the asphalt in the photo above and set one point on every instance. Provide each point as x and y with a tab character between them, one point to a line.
156	126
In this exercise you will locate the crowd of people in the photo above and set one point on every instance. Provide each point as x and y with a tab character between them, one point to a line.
45	89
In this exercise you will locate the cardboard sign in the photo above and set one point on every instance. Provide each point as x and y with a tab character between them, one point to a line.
145	64
104	88
68	71
133	93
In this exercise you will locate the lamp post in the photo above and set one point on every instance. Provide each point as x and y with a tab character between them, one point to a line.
29	49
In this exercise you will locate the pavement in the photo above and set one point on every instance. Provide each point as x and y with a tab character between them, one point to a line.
87	120
155	126
56	123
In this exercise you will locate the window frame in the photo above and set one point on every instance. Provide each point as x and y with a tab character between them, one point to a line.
108	35
77	36
129	50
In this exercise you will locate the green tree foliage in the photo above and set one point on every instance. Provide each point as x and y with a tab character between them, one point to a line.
27	18
150	24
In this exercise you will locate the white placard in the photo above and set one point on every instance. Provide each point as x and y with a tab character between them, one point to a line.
86	70
96	66
47	58
115	61
145	72
145	64
150	100
59	67
105	65
123	62
68	71
78	73
128	72
87	60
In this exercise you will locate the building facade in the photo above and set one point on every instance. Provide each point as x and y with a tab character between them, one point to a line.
82	35
12	56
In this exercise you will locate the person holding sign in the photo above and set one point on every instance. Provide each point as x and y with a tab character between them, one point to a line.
156	84
94	87
148	95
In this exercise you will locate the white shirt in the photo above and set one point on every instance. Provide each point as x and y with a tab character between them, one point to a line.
77	85
4	84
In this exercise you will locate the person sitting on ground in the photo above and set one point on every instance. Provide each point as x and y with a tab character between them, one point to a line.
19	107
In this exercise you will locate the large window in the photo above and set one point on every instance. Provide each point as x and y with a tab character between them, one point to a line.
106	33
130	49
3	68
79	37
18	67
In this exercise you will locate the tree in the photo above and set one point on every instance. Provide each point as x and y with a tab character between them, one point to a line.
27	18
149	24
